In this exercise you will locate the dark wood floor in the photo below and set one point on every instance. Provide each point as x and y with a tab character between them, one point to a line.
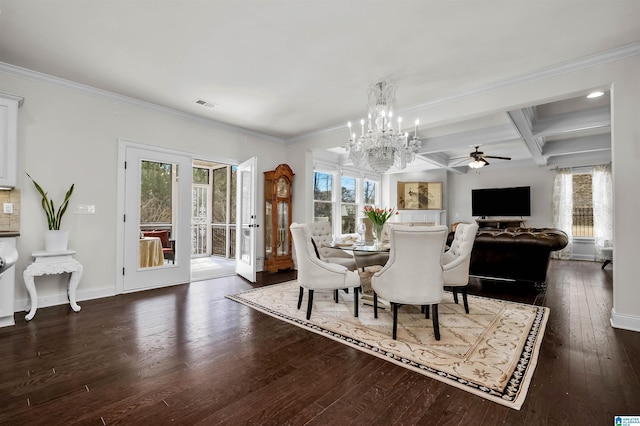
187	355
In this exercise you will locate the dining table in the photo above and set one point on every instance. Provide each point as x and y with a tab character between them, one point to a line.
367	254
151	252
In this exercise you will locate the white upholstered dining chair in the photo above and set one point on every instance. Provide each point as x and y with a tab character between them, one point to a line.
322	235
455	261
316	274
413	274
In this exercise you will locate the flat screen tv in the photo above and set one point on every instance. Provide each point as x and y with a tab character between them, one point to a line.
501	201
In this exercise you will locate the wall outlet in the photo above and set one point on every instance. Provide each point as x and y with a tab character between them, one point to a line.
7	208
85	209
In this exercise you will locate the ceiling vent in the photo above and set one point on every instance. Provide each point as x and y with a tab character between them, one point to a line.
205	103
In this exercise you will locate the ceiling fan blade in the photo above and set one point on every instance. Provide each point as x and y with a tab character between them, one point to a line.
498	158
460	162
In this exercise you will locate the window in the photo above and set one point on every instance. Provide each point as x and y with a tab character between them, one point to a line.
369	192
582	205
322	197
340	194
348	206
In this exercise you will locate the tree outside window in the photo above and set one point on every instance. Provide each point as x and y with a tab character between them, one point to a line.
348	206
323	197
155	193
369	193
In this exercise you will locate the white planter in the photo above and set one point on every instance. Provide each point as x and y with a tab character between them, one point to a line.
56	241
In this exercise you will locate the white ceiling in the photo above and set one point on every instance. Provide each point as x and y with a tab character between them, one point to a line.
290	68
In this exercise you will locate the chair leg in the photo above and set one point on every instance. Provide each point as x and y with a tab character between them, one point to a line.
335	296
300	297
310	303
426	311
395	320
375	304
355	302
464	299
455	294
606	262
436	324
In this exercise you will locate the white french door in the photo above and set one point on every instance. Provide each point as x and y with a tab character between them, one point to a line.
141	268
246	219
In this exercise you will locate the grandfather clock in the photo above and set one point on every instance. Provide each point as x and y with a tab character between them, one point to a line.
277	218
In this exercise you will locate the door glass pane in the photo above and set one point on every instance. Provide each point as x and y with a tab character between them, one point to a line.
220	195
232	193
158	192
199	221
245	218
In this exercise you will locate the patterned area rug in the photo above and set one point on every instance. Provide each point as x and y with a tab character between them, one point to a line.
490	352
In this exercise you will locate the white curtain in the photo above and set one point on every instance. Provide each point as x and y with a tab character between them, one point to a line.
602	209
563	209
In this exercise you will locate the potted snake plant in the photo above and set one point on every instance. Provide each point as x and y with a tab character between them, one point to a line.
55	239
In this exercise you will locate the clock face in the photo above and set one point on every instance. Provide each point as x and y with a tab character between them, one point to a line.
282	188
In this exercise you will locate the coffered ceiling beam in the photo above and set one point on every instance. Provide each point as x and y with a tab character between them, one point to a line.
577	145
522	119
482	137
572	121
441	160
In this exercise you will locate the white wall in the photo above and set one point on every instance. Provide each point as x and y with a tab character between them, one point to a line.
70	136
621	76
539	179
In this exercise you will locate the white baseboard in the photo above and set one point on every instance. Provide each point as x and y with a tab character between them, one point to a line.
625	322
23	305
7	321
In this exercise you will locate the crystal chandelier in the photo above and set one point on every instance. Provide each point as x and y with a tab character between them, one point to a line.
381	146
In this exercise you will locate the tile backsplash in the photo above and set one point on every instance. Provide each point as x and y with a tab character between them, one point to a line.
10	222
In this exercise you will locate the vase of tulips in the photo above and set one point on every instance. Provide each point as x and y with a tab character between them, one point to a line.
378	218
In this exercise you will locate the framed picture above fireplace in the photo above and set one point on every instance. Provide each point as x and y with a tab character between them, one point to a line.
419	196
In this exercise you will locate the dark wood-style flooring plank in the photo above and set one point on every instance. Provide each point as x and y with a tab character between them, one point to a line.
187	355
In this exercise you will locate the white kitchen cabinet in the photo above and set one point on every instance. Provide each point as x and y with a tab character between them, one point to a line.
9	105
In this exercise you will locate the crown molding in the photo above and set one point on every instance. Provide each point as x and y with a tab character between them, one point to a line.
595	59
105	94
588	61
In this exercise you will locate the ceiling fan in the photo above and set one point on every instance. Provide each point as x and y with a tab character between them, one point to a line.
479	159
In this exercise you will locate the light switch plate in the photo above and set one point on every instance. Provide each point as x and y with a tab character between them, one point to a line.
7	208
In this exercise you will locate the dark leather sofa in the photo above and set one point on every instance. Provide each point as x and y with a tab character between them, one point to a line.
520	254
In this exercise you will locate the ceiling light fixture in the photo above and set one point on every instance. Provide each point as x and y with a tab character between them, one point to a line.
596	94
382	146
479	163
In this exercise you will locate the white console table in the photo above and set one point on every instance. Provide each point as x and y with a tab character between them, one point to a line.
50	263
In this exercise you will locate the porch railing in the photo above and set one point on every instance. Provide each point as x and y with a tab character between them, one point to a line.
583	221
